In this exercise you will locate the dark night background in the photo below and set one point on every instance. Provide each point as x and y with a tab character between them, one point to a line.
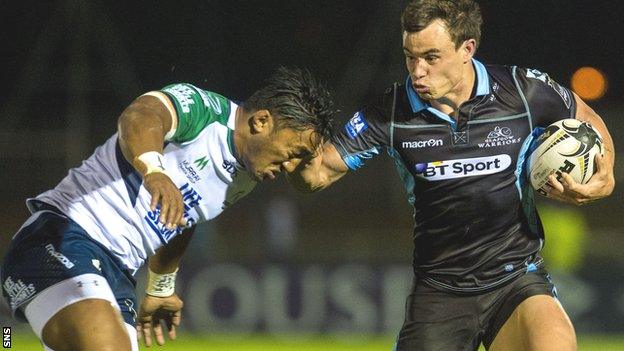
69	68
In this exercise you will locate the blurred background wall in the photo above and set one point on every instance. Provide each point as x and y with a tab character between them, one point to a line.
279	261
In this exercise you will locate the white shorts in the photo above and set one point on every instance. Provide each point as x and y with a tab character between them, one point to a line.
60	295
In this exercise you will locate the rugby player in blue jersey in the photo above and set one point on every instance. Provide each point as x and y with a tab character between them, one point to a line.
457	129
182	155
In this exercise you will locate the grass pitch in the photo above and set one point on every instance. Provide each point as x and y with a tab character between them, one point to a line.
188	342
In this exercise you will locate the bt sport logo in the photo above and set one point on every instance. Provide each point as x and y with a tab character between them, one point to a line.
461	168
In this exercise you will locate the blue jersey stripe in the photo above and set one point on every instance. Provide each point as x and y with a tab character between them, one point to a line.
132	179
355	161
406	176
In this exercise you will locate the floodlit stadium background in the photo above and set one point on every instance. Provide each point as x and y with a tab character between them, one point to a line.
332	266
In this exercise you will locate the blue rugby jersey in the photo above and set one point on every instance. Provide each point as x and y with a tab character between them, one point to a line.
476	226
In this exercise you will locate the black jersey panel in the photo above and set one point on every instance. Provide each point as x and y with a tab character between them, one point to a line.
366	133
548	101
476	226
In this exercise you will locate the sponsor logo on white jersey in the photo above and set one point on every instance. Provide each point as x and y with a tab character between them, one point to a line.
201	162
184	95
416	144
189	171
18	291
356	125
461	168
229	166
211	101
499	136
59	256
191	198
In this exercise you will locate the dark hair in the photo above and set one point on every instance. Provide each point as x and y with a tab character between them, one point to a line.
297	101
462	18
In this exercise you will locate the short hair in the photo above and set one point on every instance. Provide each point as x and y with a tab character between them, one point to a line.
296	100
462	18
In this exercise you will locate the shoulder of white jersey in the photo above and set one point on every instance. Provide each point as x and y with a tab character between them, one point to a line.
172	112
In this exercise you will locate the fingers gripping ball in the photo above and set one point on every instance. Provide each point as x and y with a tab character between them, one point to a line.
569	146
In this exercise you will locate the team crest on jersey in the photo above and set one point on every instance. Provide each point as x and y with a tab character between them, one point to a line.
499	136
356	125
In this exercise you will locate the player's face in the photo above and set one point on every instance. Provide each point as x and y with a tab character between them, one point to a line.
277	151
433	62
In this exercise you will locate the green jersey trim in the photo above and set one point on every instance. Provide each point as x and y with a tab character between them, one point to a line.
196	109
230	142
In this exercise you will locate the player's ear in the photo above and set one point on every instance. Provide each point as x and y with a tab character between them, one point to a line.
468	49
260	121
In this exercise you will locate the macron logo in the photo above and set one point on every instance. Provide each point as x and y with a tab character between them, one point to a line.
422	143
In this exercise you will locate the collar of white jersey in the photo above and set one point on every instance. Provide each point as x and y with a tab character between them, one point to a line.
231	124
483	87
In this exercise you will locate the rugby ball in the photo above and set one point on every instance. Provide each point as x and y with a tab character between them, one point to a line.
569	146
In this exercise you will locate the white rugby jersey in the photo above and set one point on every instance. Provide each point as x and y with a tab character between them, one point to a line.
106	197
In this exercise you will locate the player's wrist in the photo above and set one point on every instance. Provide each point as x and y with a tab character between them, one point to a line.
161	284
150	162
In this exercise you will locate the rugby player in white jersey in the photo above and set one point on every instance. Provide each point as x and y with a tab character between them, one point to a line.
180	157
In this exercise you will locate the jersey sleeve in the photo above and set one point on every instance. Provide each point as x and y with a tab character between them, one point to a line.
364	135
196	108
547	101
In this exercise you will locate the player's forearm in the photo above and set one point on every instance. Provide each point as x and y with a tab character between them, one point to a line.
587	114
319	172
307	183
167	258
607	144
142	127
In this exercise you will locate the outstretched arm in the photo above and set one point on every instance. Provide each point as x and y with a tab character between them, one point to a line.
602	182
161	304
322	169
142	129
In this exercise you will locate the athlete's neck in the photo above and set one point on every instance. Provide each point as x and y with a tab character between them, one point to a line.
459	93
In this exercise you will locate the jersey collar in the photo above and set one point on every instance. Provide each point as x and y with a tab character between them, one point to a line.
231	124
483	88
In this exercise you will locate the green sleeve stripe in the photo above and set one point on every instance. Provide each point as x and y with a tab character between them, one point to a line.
196	109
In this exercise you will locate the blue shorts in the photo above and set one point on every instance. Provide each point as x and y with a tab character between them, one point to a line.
51	248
